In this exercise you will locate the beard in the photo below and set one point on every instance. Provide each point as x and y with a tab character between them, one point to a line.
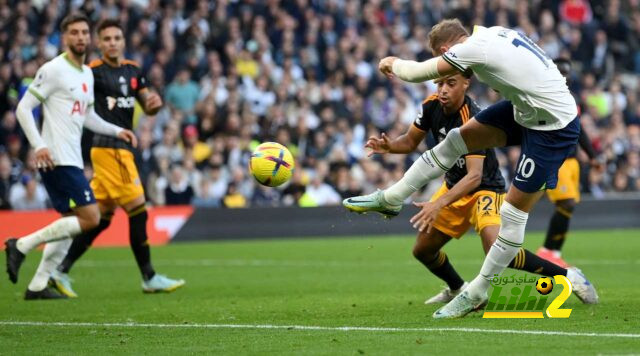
78	52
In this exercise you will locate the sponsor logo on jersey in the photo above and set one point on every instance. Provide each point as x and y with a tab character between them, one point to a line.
124	88
79	108
121	102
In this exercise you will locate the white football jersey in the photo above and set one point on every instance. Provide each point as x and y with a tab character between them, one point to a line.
65	91
509	62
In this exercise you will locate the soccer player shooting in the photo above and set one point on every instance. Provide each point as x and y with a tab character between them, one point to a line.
539	114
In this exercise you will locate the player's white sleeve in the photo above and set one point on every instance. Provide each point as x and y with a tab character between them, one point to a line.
97	124
45	82
469	53
24	112
415	72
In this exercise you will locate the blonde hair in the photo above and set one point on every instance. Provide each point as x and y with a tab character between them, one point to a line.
446	31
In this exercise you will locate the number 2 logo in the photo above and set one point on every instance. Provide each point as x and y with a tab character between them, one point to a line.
554	311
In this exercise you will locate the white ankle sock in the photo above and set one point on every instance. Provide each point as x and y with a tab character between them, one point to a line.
60	229
502	251
431	164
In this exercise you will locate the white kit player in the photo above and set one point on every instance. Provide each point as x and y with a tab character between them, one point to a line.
64	87
539	114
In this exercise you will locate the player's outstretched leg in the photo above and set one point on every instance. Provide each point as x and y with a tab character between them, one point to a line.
16	250
41	287
152	282
431	164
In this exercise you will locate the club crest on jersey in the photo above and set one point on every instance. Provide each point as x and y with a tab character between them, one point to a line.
124	88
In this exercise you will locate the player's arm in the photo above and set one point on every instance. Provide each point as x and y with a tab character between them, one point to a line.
429	210
24	113
97	124
416	72
405	143
585	143
150	100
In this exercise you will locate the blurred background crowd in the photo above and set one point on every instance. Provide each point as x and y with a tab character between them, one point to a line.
304	73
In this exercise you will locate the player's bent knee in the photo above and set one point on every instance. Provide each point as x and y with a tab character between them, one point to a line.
567	204
89	217
422	253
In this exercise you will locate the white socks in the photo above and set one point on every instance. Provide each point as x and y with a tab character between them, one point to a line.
53	254
431	164
63	228
502	251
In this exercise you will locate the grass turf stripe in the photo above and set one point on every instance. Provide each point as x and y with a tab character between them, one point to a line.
315	328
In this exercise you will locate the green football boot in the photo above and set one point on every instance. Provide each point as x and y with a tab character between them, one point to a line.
372	202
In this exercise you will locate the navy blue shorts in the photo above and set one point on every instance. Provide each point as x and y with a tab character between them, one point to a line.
542	152
68	188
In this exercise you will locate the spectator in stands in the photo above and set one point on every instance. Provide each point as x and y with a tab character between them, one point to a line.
29	194
237	73
182	95
5	180
178	190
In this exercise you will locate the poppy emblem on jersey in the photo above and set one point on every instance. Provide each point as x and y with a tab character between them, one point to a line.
84	87
134	83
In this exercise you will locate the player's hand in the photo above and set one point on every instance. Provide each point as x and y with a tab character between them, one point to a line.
128	136
44	160
386	66
424	219
379	145
597	164
153	102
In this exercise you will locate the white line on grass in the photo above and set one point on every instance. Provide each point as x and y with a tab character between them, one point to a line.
320	263
312	328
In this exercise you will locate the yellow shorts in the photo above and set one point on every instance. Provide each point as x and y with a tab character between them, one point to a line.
568	182
115	176
480	209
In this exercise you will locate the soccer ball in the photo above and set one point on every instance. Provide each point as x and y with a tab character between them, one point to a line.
271	164
544	285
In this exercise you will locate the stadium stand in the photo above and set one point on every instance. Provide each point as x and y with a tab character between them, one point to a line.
304	73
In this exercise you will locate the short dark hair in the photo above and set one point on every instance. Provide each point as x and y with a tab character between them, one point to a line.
109	23
73	18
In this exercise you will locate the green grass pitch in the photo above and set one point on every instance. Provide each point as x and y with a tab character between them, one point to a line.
249	297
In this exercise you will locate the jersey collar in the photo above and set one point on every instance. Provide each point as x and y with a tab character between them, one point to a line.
65	55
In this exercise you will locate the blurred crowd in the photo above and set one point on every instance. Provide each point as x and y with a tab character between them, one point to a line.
304	73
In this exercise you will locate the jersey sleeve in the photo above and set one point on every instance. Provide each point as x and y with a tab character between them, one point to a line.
423	121
468	54
141	83
44	84
479	153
